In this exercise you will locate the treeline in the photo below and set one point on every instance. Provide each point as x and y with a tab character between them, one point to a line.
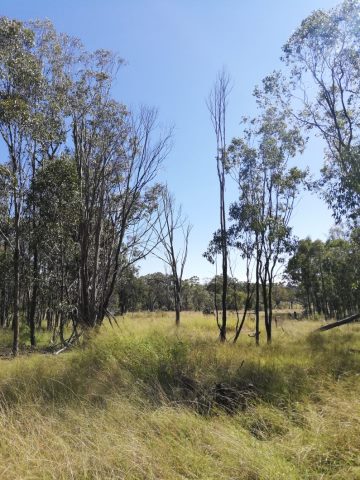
154	292
327	275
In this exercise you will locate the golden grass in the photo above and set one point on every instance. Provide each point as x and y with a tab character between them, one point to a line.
142	402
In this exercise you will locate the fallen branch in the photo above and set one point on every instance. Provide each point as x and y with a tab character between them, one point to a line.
338	323
61	350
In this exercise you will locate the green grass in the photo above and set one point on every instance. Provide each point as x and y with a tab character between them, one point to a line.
149	401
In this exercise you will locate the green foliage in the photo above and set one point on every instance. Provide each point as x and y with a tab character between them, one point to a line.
327	275
78	191
324	63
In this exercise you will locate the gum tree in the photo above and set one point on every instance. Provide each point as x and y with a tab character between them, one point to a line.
20	77
117	158
56	106
324	69
268	187
217	105
32	99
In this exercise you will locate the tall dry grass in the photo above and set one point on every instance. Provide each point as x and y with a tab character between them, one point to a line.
149	401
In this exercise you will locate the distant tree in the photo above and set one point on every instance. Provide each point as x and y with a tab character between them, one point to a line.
158	293
172	228
195	295
304	271
130	291
326	275
283	295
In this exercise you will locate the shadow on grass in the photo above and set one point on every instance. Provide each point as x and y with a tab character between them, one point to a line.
159	370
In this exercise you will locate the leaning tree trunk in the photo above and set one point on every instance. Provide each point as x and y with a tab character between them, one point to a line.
338	323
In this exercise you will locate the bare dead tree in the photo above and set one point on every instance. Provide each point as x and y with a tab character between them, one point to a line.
217	104
173	227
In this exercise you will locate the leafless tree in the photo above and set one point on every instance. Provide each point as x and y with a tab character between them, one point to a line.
173	227
217	104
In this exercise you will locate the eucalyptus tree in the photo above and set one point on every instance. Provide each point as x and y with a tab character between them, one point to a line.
157	292
326	274
299	272
268	187
195	296
5	251
173	228
244	213
117	160
32	95
20	76
130	291
54	203
59	122
55	54
217	105
324	60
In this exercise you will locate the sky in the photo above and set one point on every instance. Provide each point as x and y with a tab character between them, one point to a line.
173	50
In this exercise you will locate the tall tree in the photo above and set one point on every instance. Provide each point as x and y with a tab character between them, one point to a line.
33	93
324	61
117	160
268	187
326	275
217	105
59	122
20	76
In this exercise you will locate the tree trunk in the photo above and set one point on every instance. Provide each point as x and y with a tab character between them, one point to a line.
33	300
266	312
224	262
3	299
257	295
270	309
177	315
338	323
16	262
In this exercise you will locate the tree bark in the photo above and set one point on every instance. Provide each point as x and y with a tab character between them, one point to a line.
16	262
33	300
257	294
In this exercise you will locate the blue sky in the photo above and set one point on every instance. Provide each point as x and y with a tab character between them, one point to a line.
173	50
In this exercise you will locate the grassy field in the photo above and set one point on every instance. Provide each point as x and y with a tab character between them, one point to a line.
148	401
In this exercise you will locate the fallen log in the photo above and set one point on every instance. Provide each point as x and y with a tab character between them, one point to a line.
338	323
